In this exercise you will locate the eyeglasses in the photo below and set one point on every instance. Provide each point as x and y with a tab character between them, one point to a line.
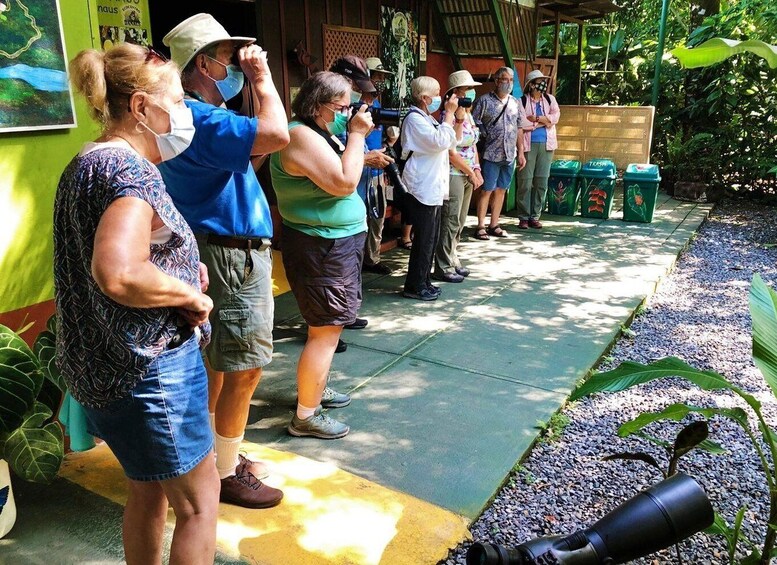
338	108
503	80
154	55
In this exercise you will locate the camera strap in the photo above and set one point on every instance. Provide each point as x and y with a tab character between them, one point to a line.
417	111
338	147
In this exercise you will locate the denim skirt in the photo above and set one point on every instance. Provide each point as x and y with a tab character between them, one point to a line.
161	429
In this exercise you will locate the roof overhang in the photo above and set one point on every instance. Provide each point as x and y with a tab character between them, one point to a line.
574	11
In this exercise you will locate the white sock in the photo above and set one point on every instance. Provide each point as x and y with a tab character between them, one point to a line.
303	412
212	418
227	449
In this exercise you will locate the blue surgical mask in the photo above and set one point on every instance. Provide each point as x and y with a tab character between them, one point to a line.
340	123
471	94
434	105
231	85
355	97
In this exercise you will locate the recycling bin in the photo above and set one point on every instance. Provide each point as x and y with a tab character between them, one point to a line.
563	191
597	185
640	192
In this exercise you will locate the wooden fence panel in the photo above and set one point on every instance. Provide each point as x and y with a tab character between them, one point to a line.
620	133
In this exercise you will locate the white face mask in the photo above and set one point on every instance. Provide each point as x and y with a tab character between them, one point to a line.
181	132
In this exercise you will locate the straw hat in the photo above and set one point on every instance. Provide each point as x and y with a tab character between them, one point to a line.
375	66
534	75
461	79
195	34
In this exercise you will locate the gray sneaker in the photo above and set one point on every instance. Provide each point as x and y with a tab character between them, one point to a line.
330	398
318	425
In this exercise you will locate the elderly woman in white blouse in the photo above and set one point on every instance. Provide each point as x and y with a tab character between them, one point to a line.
425	145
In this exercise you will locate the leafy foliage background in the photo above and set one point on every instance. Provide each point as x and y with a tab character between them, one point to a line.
716	125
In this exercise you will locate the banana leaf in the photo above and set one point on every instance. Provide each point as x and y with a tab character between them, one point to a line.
718	49
763	310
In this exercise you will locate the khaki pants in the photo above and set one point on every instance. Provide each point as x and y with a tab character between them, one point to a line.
454	216
532	185
374	238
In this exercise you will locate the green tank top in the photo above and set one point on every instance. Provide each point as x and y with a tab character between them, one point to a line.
306	207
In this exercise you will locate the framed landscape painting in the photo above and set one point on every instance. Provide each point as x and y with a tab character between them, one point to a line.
34	89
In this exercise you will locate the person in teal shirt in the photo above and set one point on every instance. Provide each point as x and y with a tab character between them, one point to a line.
324	228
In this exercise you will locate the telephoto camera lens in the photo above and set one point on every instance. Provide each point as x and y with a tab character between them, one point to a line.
380	116
493	554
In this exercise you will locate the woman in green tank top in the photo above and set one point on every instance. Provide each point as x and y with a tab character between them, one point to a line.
324	227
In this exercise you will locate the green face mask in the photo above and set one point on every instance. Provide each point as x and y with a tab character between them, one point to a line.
339	125
471	94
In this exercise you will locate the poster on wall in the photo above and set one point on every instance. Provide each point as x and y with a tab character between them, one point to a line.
34	89
399	42
123	21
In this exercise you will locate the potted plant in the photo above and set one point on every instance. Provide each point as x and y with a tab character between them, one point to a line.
31	442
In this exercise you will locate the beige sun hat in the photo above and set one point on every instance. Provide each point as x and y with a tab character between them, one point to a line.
375	65
534	75
461	79
195	34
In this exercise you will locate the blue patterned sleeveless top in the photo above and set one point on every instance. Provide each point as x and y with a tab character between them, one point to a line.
103	348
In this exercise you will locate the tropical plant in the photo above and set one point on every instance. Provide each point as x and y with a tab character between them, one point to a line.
763	310
735	101
31	390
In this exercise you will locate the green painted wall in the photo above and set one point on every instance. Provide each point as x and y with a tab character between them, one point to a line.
30	166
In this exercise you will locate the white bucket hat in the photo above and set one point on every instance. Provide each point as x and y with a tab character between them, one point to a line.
461	79
195	34
376	66
534	75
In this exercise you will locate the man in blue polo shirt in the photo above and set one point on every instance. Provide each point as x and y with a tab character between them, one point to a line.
214	186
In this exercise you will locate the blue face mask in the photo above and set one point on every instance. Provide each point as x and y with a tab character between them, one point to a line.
434	105
231	85
355	97
471	94
340	123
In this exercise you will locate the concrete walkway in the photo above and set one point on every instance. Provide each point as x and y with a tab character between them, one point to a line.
446	399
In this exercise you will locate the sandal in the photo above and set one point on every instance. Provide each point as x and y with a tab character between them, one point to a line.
481	233
407	244
496	231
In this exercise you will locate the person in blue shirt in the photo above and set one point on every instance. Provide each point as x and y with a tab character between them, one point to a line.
214	186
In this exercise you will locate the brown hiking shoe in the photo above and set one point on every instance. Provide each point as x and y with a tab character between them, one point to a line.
243	489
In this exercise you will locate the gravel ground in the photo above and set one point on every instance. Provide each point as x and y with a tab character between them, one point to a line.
699	314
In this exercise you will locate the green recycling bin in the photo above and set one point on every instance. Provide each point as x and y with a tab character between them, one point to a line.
640	192
597	185
563	192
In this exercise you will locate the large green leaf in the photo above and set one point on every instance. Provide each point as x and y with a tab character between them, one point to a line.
45	348
629	373
718	49
20	379
35	454
677	412
763	310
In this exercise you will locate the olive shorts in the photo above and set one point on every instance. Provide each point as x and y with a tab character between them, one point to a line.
243	306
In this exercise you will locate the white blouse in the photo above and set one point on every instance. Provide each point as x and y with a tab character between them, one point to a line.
426	173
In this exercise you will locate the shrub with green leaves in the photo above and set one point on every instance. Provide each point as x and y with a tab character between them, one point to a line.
763	310
30	393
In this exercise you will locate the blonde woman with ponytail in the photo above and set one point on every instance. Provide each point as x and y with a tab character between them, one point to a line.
131	312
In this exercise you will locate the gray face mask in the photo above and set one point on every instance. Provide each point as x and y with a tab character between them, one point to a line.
504	87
